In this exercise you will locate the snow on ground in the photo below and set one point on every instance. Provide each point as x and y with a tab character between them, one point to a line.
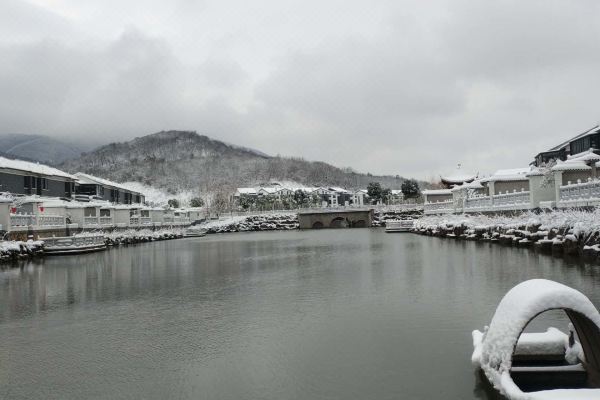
158	197
253	222
224	222
581	222
8	247
134	233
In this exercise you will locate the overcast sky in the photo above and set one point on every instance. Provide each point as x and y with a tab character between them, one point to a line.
395	87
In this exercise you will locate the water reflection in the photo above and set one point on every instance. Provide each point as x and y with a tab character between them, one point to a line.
347	314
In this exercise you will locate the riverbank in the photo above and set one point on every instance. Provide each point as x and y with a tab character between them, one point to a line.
264	222
18	250
561	233
133	236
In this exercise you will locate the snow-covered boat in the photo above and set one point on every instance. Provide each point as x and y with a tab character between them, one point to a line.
399	225
74	244
546	365
193	231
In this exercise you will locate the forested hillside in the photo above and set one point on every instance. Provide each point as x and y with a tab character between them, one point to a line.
183	160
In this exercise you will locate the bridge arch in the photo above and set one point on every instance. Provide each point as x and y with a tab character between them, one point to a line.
318	219
361	223
338	222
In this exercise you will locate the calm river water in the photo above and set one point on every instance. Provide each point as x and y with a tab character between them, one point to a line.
331	314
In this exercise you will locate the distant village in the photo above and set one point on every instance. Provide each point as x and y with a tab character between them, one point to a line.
564	176
283	197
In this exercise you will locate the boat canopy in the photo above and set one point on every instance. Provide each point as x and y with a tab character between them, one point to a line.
494	348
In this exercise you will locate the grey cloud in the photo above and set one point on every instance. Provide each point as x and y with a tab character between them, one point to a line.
417	88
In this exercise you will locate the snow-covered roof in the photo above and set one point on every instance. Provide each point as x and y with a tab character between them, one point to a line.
586	156
338	189
512	174
494	347
535	172
57	202
437	191
396	192
246	190
476	184
34	168
94	180
571	165
457	178
127	206
270	190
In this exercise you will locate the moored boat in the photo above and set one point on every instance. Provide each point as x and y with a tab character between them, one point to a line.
74	244
546	365
399	225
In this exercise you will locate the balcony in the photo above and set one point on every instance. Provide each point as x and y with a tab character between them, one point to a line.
20	220
106	220
90	221
51	220
580	194
36	221
145	221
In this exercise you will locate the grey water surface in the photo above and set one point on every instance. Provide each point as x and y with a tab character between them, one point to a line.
330	314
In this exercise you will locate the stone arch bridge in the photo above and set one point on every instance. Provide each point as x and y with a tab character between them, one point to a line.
359	218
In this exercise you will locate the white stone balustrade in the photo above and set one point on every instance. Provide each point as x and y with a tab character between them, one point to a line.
87	221
51	220
439	207
478	203
580	193
17	220
106	220
511	200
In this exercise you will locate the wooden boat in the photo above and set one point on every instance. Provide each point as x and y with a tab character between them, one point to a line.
399	225
74	244
545	365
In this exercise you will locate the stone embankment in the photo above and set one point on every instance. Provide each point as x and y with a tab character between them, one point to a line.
20	250
380	217
561	233
141	236
265	222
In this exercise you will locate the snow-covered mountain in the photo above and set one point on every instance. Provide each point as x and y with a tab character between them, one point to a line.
183	160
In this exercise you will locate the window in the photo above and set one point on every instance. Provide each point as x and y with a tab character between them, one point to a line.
89	212
27	182
44	184
33	182
101	190
105	213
